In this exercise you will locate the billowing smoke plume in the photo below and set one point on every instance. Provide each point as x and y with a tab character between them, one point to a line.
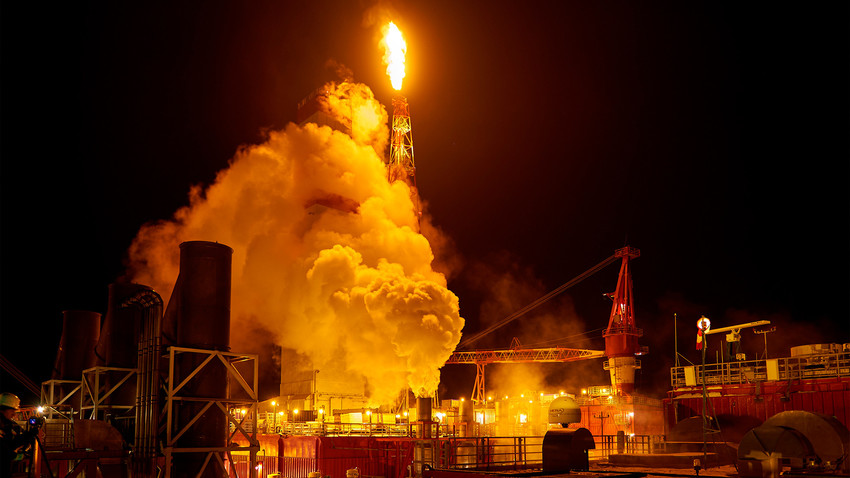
326	253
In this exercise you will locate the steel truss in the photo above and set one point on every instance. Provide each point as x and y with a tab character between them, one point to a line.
243	429
516	355
57	397
99	384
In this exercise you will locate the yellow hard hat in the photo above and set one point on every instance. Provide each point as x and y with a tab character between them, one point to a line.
10	400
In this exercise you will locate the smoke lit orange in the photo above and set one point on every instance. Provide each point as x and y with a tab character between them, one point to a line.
395	49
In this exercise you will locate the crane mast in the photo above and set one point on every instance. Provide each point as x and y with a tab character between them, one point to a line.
621	336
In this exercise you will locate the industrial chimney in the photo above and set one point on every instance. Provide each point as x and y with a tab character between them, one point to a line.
119	338
80	332
423	415
198	317
118	345
198	313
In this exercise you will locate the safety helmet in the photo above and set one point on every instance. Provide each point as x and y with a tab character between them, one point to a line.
10	400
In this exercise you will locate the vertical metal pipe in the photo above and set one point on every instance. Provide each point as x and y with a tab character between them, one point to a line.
149	303
676	338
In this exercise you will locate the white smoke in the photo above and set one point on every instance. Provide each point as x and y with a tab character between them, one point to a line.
326	253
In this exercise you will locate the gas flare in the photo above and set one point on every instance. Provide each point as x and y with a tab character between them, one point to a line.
394	50
326	254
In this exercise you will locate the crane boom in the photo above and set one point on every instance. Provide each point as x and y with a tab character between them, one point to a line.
551	354
528	308
737	328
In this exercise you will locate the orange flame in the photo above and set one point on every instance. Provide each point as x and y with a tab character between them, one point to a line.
394	51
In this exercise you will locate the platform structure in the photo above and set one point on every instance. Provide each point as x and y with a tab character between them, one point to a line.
101	385
58	398
185	415
762	388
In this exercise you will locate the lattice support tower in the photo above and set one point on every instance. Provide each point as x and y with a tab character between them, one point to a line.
401	165
621	336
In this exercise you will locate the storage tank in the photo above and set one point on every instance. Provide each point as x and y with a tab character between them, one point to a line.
198	313
467	417
80	332
423	415
118	345
198	316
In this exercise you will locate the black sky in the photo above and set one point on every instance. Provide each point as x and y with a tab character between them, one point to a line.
711	135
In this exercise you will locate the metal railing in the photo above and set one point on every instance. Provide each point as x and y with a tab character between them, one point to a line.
750	371
414	429
406	457
607	445
240	462
58	435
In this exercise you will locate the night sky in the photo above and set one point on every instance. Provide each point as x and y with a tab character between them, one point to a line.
713	136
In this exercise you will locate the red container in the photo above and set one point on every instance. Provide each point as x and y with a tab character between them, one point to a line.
332	456
761	400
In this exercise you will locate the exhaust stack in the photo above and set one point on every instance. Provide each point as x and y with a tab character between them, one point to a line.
423	414
198	317
80	332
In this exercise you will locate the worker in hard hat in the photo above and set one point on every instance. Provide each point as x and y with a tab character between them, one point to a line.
14	441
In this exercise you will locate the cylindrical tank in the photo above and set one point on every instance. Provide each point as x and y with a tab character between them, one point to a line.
80	331
198	315
622	370
202	296
423	414
118	345
467	417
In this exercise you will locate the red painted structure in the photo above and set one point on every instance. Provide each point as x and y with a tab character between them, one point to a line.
621	336
332	456
761	400
817	382
401	164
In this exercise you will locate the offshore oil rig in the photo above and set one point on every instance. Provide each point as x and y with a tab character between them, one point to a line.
156	391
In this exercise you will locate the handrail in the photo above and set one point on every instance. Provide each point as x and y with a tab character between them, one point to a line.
750	371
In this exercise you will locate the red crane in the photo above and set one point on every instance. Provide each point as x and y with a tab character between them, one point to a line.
621	336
